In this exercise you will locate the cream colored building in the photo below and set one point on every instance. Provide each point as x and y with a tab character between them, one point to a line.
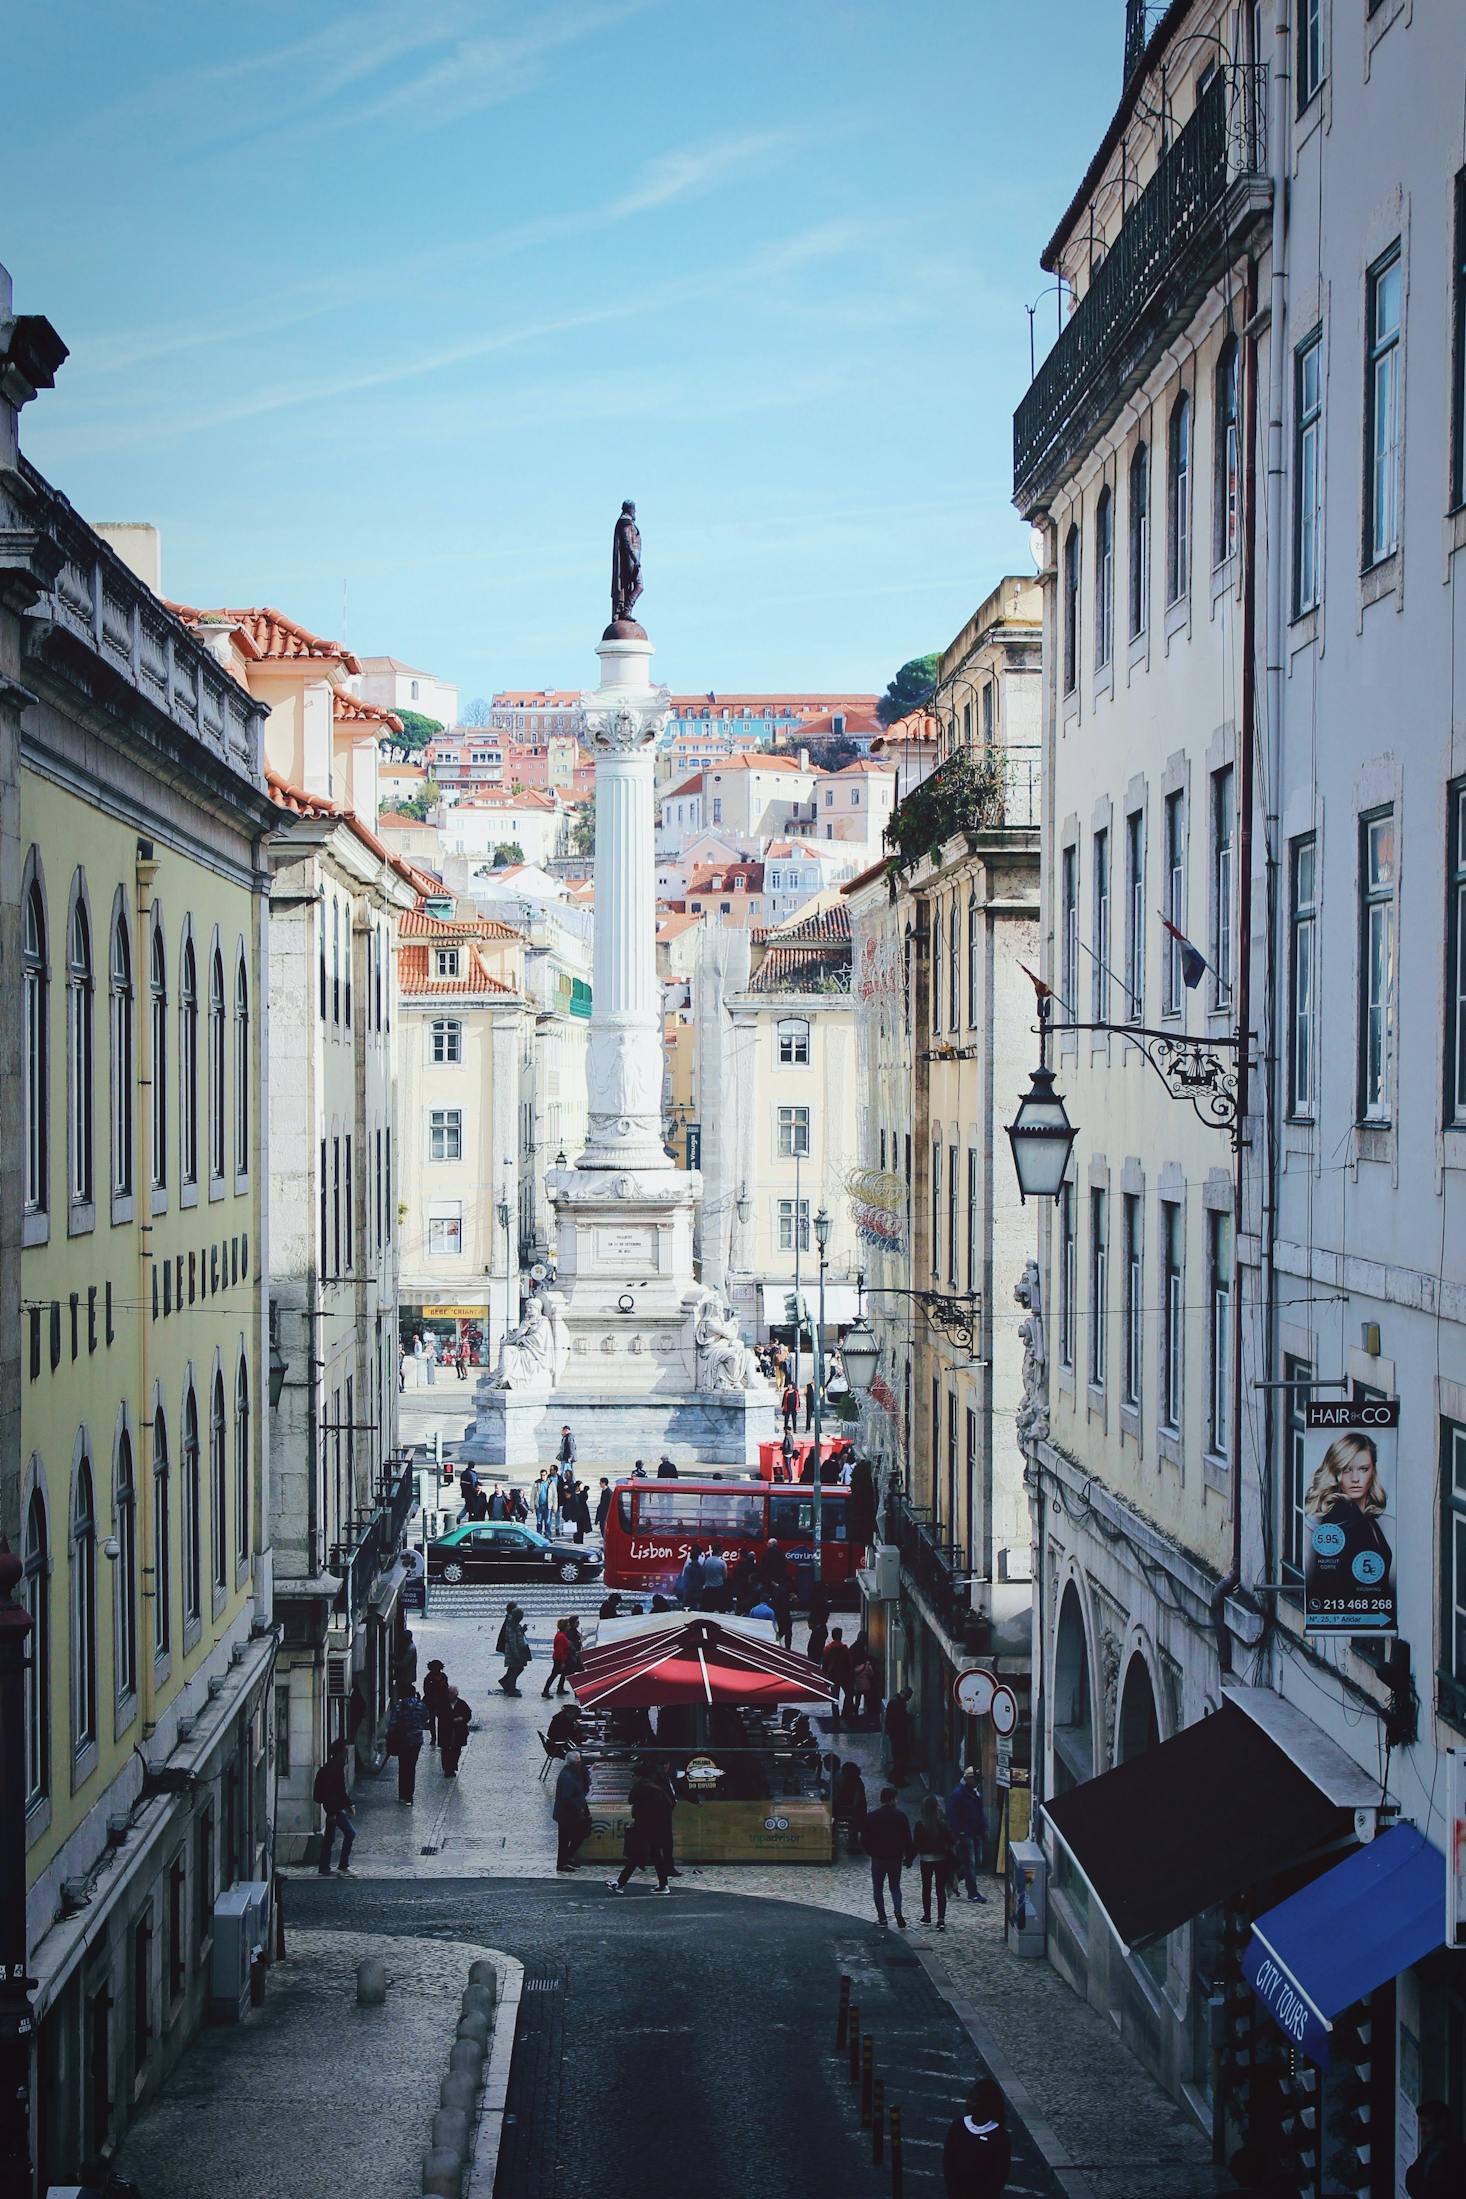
854	804
133	1486
534	821
393	685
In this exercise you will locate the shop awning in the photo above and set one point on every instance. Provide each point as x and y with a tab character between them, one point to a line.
1191	1823
1362	1923
842	1302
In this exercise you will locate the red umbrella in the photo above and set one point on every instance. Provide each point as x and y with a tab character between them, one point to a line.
697	1661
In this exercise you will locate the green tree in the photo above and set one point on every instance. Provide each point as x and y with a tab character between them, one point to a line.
416	732
911	687
508	851
583	829
417	805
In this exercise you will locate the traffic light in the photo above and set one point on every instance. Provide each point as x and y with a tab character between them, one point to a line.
794	1309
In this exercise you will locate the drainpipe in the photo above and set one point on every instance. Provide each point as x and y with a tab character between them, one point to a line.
146	873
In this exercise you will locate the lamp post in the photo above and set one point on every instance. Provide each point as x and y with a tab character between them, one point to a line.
15	1986
798	1239
504	1225
822	1242
1041	1134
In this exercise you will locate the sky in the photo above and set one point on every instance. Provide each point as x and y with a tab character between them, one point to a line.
378	312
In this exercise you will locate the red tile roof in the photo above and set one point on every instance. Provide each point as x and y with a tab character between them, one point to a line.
300	804
688	786
762	759
767	706
861	721
351	710
720	877
270	634
503	798
421	924
917	725
862	766
821	926
414	975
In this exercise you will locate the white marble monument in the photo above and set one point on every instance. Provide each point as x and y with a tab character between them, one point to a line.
626	1346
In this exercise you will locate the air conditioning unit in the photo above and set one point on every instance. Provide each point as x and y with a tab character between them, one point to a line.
887	1572
338	1665
240	1923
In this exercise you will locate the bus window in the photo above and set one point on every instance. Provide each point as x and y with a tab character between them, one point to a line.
623	1509
731	1516
667	1510
791	1517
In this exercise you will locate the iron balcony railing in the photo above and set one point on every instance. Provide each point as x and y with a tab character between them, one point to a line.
377	1539
1131	298
936	1569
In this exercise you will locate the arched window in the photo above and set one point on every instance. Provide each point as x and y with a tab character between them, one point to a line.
190	1525
162	1540
1071	610
1139	1727
158	1013
124	1594
241	1461
217	1118
37	1592
936	986
219	1486
793	1037
1104	578
1178	501
1073	1713
119	1016
1227	483
241	1069
188	1065
1139	540
83	1611
37	1063
79	1080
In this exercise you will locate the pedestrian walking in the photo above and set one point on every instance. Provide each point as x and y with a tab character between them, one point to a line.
782	1603
334	1798
401	1370
404	1664
648	1838
603	1506
819	1621
968	1821
934	1854
430	1360
460	1361
896	1736
838	1667
667	1469
582	1511
978	2153
406	1727
888	1844
498	1504
434	1696
689	1580
808	1406
571	1811
714	1580
542	1501
566	1452
513	1647
561	1650
453	1732
789	1405
848	1805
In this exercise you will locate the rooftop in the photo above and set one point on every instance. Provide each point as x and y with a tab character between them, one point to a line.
828	921
420	924
351	710
269	635
415	976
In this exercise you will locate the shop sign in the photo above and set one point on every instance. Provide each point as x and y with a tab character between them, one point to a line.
1349	1481
454	1313
973	1691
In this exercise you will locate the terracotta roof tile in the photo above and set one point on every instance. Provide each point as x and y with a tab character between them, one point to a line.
271	634
414	976
761	760
420	924
300	804
351	710
802	970
822	925
719	878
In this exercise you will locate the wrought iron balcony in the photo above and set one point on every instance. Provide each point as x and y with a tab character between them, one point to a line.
984	788
937	1571
375	1542
1207	190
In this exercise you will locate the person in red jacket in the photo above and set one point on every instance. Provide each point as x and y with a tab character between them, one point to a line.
562	1656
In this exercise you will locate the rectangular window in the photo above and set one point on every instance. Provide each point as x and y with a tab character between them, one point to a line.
1135	914
335	1210
972	963
445	961
936	1207
954	966
1456	955
1302	975
1219	1333
936	970
1310	50
445	1134
989	699
1223	823
447	1040
789	1215
952	1180
1069	935
1453	1572
1458	349
1175	899
972	1217
1307	473
1173	1305
1227	479
1071	610
793	1133
1377	965
1139	541
1099	1273
1101	963
793	1037
325	1211
445	1231
1104	579
1066	1276
1297	1387
1134	1296
1382	405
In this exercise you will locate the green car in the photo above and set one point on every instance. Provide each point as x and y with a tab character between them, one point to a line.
500	1550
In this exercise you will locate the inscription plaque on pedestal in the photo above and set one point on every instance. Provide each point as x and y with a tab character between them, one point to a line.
620	1250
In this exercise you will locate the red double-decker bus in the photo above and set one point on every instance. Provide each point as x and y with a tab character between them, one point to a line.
652	1525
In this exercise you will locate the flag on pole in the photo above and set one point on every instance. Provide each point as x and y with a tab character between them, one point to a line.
1194	964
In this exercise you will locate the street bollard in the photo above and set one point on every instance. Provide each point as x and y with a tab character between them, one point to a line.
842	2021
854	2042
371	1983
895	2153
442	2173
878	2121
867	2072
279	1918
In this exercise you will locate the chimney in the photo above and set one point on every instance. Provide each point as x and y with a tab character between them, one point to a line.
804	759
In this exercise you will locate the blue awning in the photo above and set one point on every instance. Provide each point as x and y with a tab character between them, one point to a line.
1366	1920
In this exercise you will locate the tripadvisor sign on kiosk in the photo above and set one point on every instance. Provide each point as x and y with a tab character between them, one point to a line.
1349	1480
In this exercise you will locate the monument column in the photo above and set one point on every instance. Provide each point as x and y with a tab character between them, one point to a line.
622	719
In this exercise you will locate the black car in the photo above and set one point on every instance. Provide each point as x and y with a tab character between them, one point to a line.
500	1550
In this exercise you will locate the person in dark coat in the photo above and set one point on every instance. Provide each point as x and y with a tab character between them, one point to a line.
838	1668
603	1506
513	1647
848	1805
406	1727
571	1811
582	1511
978	2153
334	1798
1439	2168
896	1726
969	1826
819	1620
888	1844
934	1845
667	1469
453	1728
434	1696
648	1837
808	1406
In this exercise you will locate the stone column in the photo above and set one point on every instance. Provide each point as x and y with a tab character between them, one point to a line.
623	1074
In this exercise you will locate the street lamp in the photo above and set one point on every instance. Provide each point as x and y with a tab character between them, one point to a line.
822	1246
743	1206
860	1355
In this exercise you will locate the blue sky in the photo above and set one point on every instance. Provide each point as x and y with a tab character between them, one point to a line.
378	312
